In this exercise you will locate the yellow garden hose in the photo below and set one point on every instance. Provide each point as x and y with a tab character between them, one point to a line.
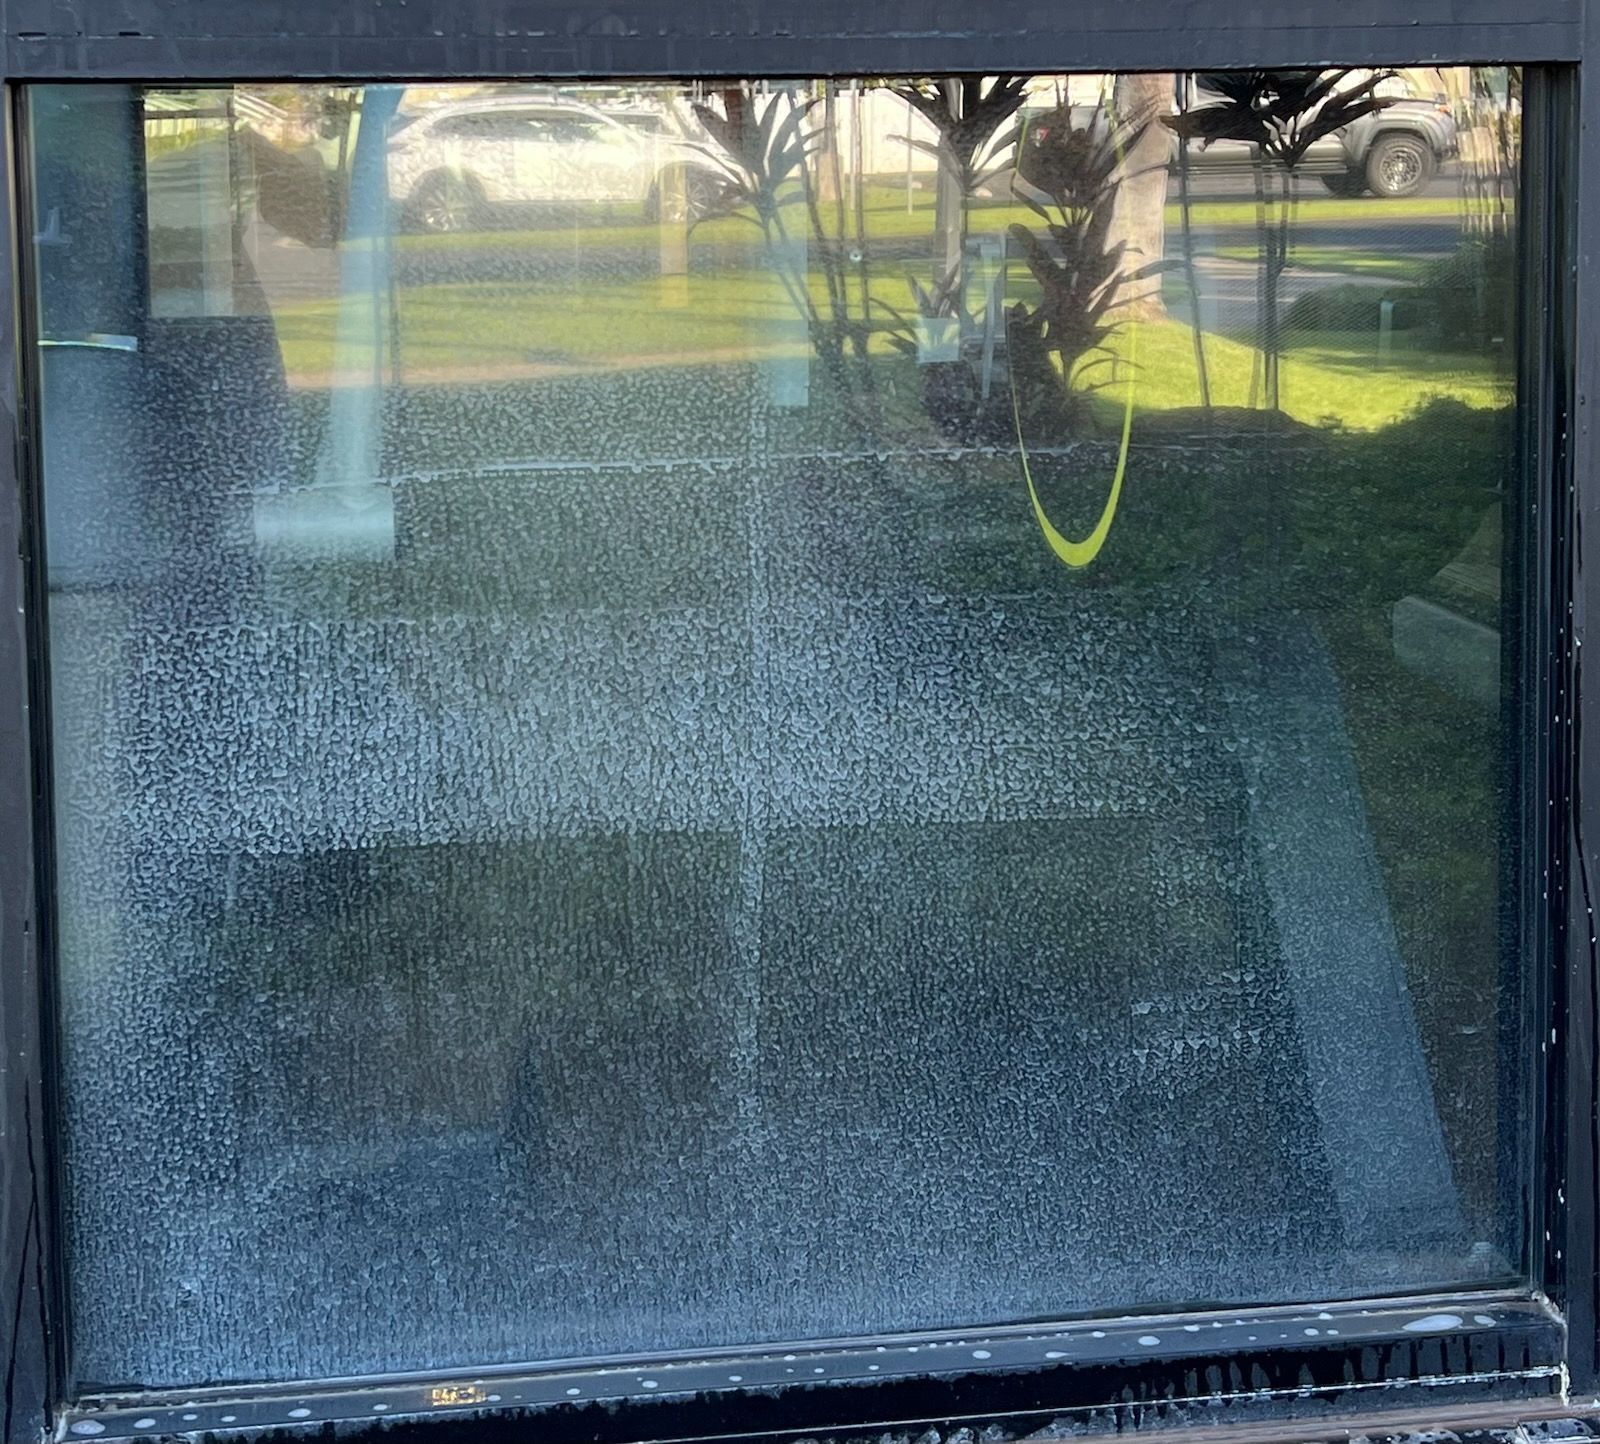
1081	553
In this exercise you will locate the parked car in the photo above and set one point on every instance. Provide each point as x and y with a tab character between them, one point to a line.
1391	152
454	166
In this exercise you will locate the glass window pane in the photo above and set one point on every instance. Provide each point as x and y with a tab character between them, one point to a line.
699	714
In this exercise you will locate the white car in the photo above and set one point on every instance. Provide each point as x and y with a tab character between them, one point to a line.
455	164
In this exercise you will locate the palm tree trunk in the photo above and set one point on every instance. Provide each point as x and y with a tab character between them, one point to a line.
1195	330
1258	363
1139	213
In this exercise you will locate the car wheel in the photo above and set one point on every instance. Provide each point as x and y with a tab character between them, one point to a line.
704	193
688	194
1345	184
445	202
1399	165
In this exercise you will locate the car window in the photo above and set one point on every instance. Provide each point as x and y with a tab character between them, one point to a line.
570	128
643	124
484	125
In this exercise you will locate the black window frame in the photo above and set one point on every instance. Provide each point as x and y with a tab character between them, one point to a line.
1513	1357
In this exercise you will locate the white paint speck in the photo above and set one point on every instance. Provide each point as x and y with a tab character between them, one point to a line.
981	1354
299	1413
233	1418
1149	1340
379	1408
872	1368
1312	1333
144	1423
736	1378
1433	1324
1483	1319
1097	1333
816	1371
573	1393
88	1426
1054	1354
494	1398
649	1383
1191	1328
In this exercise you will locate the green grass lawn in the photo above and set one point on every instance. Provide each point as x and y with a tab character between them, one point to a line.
1327	379
581	315
483	331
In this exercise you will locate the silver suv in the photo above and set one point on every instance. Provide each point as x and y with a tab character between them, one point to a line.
455	165
1392	152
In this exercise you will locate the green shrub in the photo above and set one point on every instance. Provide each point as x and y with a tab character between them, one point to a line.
1353	307
1470	295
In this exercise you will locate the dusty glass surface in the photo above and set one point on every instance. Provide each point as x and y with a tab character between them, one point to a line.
697	715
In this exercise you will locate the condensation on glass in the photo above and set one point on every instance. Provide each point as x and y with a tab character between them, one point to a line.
694	715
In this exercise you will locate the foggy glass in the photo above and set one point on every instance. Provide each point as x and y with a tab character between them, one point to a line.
689	716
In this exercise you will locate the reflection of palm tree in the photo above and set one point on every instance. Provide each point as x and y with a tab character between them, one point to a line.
972	151
1186	219
1281	114
1070	177
297	194
1139	216
1489	151
761	144
974	148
